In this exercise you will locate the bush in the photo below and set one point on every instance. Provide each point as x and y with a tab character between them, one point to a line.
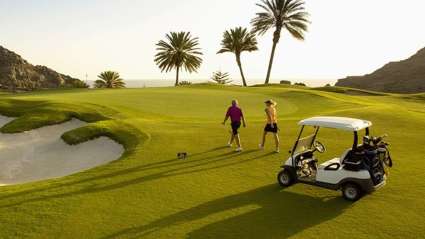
285	82
79	84
300	84
185	83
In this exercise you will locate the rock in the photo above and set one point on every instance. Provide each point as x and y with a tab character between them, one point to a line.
17	74
407	76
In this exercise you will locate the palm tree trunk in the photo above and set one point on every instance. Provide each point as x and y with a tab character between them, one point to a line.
238	60
276	38
269	71
177	76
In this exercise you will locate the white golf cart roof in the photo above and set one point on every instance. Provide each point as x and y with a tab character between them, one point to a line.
348	124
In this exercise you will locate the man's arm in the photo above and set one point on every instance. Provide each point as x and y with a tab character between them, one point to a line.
225	119
243	121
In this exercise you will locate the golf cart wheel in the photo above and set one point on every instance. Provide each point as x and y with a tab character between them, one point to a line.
285	178
351	192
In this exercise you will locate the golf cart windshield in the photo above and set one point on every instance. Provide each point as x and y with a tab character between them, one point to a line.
305	144
305	140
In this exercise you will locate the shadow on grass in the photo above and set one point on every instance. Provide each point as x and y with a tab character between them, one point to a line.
277	214
169	168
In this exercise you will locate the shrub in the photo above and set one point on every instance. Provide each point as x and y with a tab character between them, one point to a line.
285	82
182	83
79	84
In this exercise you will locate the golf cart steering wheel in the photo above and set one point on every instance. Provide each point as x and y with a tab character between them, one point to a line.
319	147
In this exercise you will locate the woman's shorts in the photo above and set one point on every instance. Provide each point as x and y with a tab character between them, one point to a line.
235	127
271	129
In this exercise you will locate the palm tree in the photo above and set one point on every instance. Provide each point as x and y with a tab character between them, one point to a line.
281	14
109	79
181	50
238	40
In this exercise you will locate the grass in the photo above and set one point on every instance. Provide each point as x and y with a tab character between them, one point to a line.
349	91
35	114
215	193
419	97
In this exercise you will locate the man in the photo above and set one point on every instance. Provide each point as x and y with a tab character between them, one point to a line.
236	116
271	126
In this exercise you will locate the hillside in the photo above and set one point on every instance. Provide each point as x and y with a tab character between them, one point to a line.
17	74
407	76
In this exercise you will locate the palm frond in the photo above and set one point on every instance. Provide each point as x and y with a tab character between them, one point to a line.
278	14
109	79
238	40
180	50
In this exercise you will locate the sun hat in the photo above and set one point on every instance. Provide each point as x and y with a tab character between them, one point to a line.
271	102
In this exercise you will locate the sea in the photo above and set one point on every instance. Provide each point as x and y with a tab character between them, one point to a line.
135	83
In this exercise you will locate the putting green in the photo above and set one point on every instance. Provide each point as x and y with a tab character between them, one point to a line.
215	193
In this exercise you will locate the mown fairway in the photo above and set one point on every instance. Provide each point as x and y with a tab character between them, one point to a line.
217	193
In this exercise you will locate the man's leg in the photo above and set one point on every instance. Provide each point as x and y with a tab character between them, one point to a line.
232	138
233	133
238	141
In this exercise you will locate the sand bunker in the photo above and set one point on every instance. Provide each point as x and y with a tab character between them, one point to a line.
41	154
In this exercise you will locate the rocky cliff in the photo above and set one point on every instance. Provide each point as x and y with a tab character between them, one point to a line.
407	76
17	74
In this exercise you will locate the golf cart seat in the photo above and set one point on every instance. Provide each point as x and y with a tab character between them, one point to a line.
332	165
353	160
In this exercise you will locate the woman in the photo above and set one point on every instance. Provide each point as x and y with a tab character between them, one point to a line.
271	126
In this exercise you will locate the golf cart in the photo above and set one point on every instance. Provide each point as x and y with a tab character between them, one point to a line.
360	169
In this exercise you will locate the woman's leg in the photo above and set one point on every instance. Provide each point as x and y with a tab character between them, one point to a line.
263	142
277	141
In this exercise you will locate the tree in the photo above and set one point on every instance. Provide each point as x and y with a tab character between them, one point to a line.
221	78
180	51
280	14
238	40
109	79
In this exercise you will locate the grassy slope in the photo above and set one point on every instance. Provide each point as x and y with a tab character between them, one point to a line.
217	193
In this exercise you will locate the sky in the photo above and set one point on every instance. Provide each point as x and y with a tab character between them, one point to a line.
79	37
